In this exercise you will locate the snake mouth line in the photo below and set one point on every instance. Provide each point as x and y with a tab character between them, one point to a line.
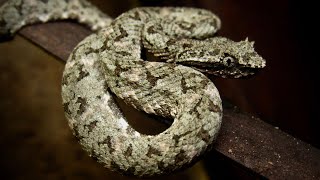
217	69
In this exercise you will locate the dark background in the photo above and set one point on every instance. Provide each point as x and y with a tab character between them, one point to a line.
284	94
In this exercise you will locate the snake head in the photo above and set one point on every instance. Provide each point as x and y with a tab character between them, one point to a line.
222	57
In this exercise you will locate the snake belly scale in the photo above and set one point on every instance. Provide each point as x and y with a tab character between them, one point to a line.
174	86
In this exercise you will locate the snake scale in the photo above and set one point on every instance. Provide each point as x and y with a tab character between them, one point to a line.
173	86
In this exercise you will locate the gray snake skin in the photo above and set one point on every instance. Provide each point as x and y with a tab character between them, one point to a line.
174	86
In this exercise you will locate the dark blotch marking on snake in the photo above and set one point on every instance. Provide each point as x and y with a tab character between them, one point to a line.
204	135
151	79
123	33
136	16
248	56
82	75
187	45
65	79
76	132
66	108
171	42
118	70
151	30
91	126
108	142
214	52
154	151
193	54
201	54
195	109
214	22
128	152
177	137
75	50
188	28
164	168
184	86
124	53
180	157
94	155
214	108
83	105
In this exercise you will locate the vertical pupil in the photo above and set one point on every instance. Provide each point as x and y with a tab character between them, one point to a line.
228	61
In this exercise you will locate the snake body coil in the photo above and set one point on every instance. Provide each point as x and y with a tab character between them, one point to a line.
173	87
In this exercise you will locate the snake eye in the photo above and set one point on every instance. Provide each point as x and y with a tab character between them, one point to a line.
228	61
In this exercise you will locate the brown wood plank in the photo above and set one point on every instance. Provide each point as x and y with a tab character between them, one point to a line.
246	140
58	38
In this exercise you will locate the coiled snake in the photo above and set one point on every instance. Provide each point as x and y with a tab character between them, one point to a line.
174	86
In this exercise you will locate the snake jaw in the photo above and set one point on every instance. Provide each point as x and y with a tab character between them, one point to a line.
219	56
